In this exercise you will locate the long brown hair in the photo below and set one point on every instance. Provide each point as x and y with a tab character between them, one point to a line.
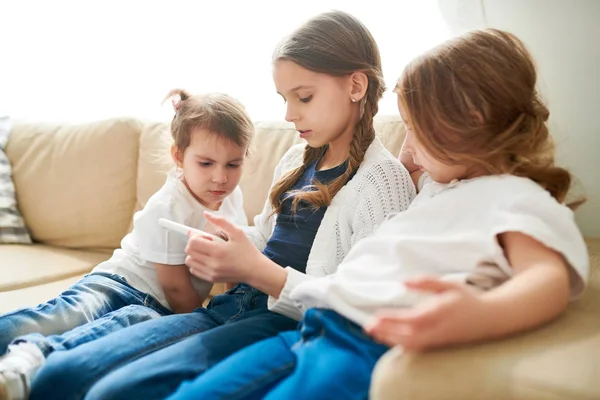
473	100
337	44
217	113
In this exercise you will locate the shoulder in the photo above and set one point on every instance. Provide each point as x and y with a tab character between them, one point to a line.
527	208
503	190
293	157
516	202
502	182
170	201
167	191
377	155
381	165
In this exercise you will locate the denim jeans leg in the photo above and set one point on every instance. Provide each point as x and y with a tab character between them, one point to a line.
247	374
69	374
114	321
350	358
159	374
92	297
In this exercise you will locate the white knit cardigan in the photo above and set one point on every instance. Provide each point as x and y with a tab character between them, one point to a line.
381	186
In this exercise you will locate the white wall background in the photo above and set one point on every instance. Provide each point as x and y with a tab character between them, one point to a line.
564	37
68	60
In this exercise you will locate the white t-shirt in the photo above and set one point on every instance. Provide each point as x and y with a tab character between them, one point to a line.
450	231
149	243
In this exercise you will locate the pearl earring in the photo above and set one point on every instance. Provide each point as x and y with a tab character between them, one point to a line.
353	100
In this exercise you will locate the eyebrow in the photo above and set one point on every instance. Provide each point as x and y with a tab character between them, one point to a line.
211	160
299	88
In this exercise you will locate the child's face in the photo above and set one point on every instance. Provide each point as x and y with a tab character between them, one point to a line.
318	104
437	170
212	167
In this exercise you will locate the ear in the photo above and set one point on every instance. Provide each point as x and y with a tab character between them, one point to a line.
360	84
177	155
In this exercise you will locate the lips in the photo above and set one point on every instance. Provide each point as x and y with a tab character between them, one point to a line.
304	134
217	192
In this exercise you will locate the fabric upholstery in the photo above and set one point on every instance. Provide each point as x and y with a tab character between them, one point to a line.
559	361
23	266
76	183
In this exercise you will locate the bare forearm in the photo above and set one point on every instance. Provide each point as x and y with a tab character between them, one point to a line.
183	301
531	298
268	277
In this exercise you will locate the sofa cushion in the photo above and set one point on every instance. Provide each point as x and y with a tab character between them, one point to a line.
34	295
76	183
28	265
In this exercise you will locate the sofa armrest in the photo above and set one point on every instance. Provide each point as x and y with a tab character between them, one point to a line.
558	361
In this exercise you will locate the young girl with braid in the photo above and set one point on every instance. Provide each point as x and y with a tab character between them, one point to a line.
327	195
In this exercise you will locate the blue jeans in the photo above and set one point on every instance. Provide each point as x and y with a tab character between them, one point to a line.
151	359
93	307
329	358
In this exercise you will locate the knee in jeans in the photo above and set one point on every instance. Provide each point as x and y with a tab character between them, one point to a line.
54	376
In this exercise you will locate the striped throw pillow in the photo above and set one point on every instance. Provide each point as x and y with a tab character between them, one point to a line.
12	226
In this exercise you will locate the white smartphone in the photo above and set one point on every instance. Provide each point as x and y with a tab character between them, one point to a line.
185	230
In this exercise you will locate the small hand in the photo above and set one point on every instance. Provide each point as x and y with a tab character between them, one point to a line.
455	314
221	262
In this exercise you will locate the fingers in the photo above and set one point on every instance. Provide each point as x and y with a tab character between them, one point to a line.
196	268
222	235
200	267
408	319
229	228
199	246
414	328
412	335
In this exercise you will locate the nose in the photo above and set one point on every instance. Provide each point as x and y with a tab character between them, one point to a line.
219	175
291	113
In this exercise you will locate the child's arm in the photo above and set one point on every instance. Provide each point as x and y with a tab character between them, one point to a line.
175	281
538	293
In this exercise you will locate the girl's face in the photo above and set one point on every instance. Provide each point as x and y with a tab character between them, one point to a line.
212	167
318	104
437	170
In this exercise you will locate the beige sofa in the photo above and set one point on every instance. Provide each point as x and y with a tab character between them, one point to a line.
78	187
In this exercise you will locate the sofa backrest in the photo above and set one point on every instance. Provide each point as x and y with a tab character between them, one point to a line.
78	185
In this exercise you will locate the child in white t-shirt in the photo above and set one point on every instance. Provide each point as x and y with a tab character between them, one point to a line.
486	249
147	277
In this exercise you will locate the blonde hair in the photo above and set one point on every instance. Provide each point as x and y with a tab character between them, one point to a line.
473	100
217	113
337	44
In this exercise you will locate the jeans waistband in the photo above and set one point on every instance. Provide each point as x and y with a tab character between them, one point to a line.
242	288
